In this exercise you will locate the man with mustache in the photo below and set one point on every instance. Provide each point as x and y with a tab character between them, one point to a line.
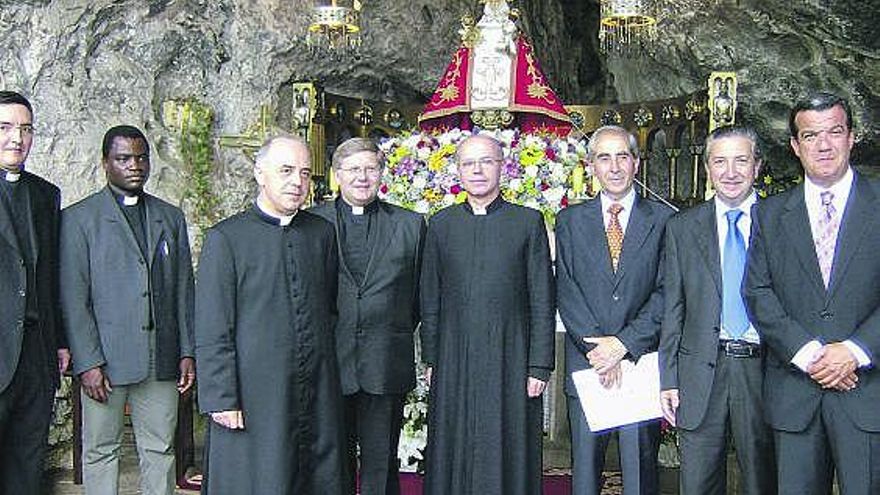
609	289
127	300
32	345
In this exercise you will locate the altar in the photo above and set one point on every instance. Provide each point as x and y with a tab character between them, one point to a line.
494	85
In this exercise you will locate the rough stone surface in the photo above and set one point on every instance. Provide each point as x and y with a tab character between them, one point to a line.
88	65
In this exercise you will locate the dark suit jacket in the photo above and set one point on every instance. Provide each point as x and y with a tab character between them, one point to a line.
374	332
790	306
44	212
595	301
691	322
105	283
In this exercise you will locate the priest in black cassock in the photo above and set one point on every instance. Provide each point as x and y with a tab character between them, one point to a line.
265	309
487	299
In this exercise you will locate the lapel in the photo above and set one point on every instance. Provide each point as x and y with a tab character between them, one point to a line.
595	239
7	229
155	227
706	234
110	213
33	206
335	220
381	236
857	220
797	234
638	227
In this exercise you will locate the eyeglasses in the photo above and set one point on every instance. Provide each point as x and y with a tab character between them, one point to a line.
358	171
484	162
8	128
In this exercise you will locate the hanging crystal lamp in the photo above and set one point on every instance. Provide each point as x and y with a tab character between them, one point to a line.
626	27
335	26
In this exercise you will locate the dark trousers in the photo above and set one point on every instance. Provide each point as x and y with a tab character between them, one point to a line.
373	423
807	459
638	444
25	412
735	411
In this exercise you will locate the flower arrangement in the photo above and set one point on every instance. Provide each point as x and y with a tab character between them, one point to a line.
540	171
414	433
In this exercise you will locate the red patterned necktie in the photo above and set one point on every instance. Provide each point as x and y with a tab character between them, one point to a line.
614	233
826	235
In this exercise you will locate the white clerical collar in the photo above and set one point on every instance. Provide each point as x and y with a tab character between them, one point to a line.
357	210
130	200
13	176
283	220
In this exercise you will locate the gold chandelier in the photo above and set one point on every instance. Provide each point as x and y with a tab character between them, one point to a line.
335	27
626	27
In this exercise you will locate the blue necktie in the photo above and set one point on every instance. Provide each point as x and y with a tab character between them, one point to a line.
733	310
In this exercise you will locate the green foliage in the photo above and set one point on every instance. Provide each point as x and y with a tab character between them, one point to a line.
769	183
197	151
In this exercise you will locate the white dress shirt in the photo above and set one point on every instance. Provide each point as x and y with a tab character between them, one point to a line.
745	227
812	197
626	202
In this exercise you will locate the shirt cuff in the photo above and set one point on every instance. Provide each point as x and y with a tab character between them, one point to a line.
858	352
804	357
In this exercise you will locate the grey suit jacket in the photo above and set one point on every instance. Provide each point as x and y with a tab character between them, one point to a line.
692	299
44	212
790	306
595	301
106	283
374	332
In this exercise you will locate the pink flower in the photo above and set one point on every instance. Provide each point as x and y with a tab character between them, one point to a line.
550	154
455	189
383	188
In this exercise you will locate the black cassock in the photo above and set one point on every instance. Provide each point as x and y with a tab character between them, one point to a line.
487	324
265	306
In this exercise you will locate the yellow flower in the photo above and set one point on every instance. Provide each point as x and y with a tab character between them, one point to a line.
431	195
530	155
461	197
398	154
437	160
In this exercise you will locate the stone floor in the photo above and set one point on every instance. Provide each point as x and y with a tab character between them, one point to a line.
61	482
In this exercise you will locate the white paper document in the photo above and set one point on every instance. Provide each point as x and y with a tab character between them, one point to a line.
637	399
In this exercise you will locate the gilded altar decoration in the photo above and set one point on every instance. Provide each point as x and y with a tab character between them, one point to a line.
722	99
643	117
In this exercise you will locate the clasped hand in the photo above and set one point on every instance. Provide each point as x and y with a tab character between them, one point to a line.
834	367
605	359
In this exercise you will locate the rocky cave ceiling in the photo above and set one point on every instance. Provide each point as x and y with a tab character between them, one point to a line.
91	64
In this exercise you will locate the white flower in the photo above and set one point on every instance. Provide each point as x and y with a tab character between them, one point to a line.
532	171
515	184
553	195
419	182
422	206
